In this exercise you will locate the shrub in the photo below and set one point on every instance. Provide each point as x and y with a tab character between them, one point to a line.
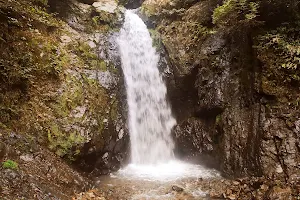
279	50
9	164
233	11
284	42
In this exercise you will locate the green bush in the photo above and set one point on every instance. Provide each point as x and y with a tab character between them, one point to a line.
233	11
9	164
284	44
279	51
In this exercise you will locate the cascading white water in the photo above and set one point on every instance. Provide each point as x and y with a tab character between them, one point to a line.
150	118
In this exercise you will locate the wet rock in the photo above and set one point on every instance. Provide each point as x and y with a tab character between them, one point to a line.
106	79
194	137
177	188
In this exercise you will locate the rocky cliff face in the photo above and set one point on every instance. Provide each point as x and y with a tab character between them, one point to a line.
234	105
232	70
61	81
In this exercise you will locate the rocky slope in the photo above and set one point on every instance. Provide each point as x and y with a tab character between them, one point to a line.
62	97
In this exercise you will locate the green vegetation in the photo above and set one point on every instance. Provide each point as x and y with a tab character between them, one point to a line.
49	89
89	58
284	43
148	10
72	97
279	50
64	144
156	38
29	57
218	119
9	164
233	11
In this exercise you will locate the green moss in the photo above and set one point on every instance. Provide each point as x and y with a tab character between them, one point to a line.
149	10
87	55
29	57
218	119
96	20
72	97
156	38
102	65
105	18
9	164
64	144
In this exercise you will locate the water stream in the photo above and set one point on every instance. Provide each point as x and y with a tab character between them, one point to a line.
150	117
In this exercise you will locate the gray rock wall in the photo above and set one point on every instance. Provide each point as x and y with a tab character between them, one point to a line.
227	117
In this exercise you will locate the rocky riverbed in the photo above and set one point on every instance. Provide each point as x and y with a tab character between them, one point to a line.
114	188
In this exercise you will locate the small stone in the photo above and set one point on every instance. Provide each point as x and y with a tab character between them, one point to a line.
214	194
231	197
177	188
236	183
65	39
227	183
91	194
264	187
26	158
279	169
121	134
92	44
105	155
228	192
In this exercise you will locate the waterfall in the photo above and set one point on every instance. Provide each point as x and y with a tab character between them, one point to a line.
150	119
149	116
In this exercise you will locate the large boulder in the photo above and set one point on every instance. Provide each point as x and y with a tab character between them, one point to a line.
109	6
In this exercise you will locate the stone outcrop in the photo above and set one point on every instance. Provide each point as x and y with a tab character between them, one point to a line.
100	115
73	96
221	93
